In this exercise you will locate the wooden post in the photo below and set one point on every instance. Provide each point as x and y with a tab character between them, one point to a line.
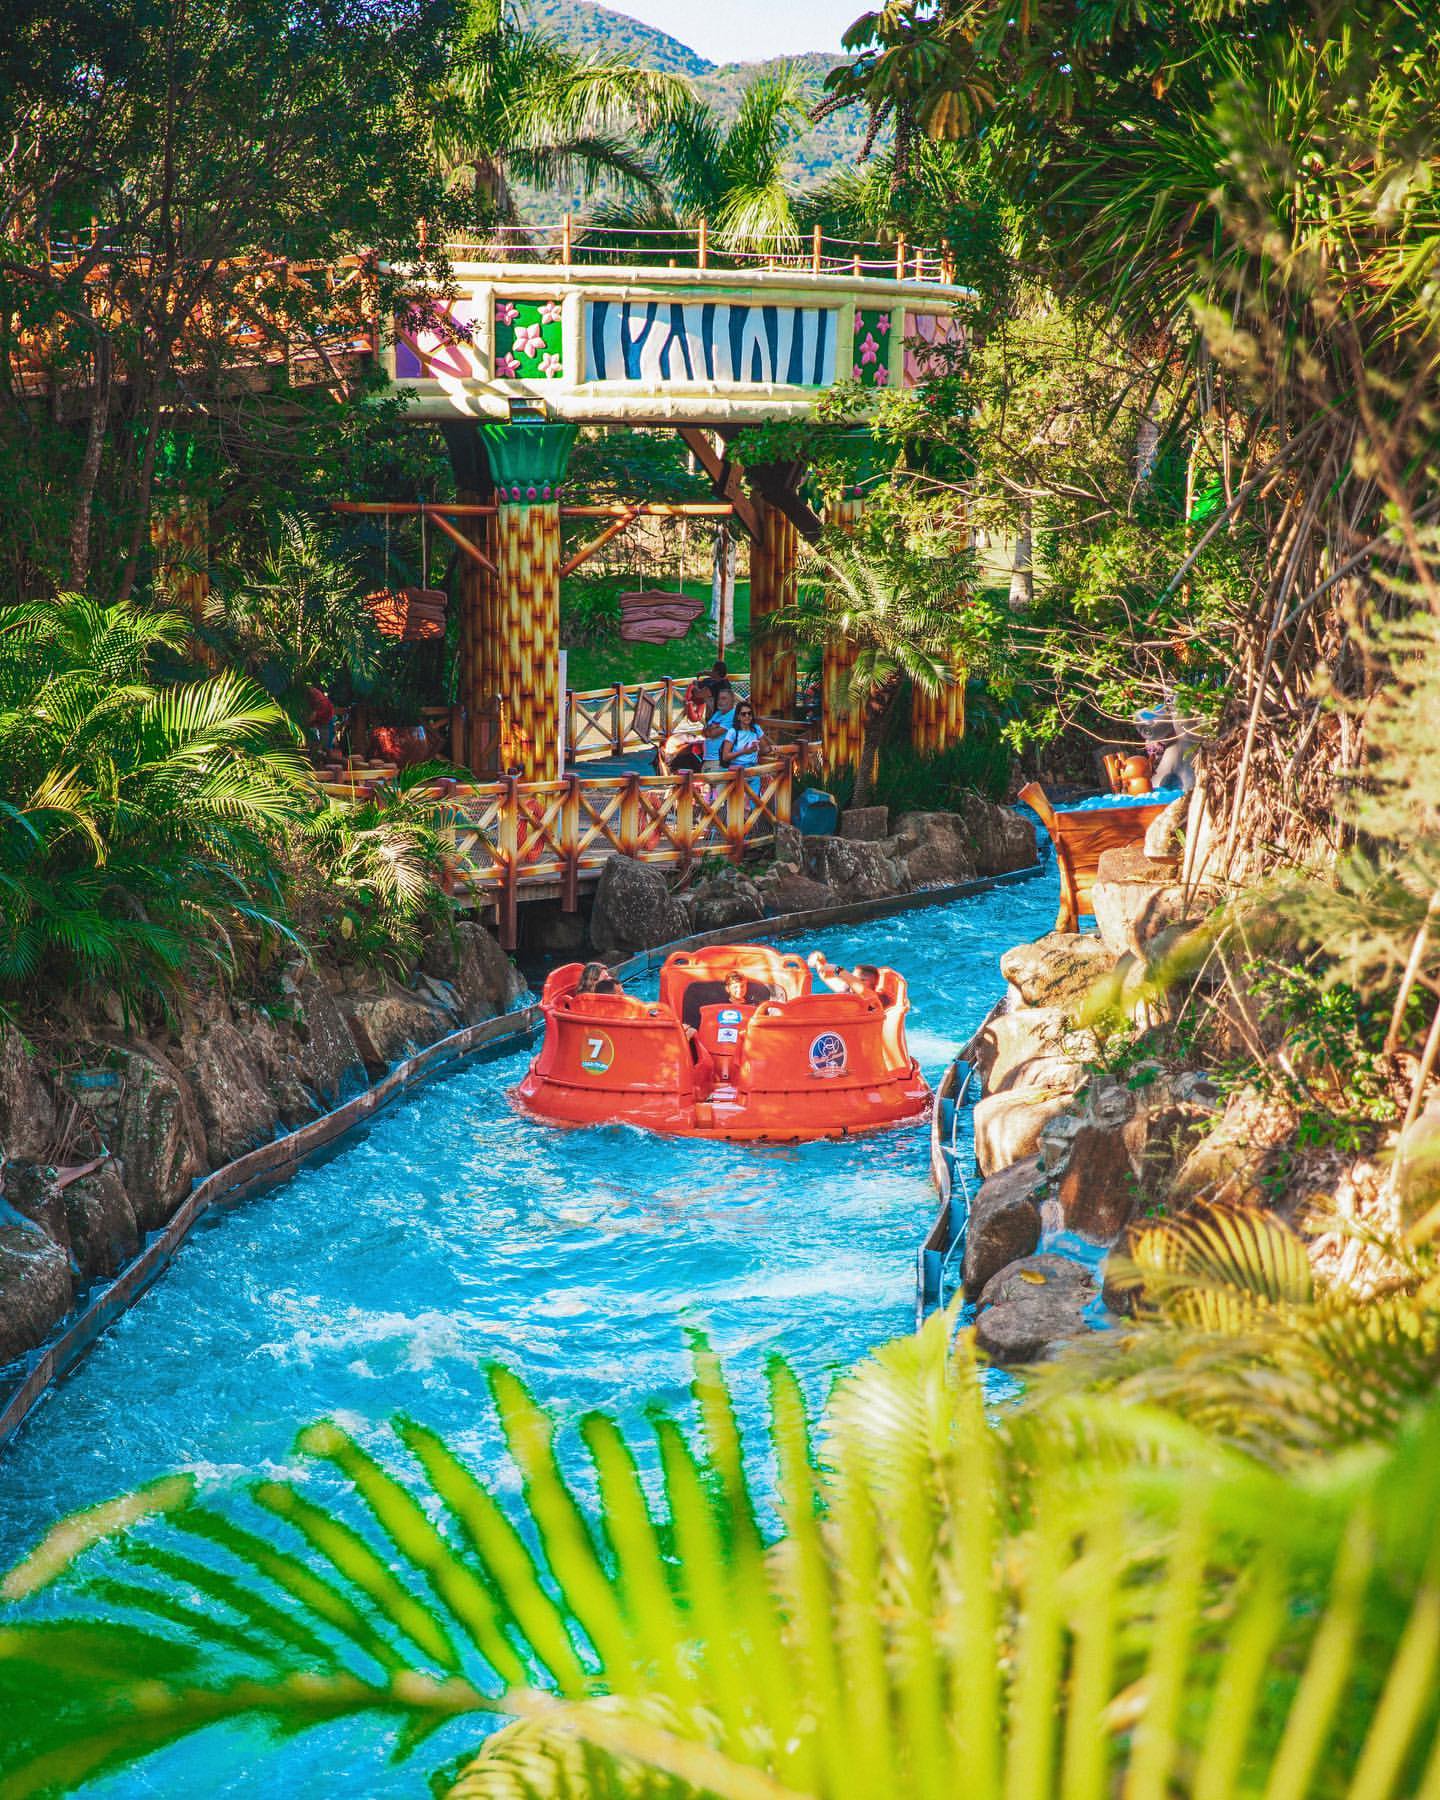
704	243
685	819
630	816
785	793
772	590
855	262
816	256
570	846
900	259
507	843
617	719
735	796
565	240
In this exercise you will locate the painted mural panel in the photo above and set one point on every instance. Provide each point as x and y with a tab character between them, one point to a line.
931	329
870	365
687	342
435	342
528	343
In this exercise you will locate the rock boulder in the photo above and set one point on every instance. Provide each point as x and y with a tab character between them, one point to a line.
101	1222
1004	1223
935	847
237	1108
634	910
854	870
1058	969
865	824
1008	1038
484	979
326	1059
1008	1126
27	1101
1001	839
784	890
727	898
391	1024
1030	1276
35	1287
1025	1330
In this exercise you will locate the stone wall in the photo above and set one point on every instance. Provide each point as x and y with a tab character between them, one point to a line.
105	1126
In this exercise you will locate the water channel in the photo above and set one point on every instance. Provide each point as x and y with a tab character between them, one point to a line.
453	1231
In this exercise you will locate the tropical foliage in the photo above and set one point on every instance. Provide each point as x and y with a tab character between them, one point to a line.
1094	1591
516	106
139	814
733	176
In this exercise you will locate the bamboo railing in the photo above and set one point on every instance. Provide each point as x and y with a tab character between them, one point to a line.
512	835
600	722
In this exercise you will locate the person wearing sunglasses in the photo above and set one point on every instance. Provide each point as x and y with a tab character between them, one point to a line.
744	743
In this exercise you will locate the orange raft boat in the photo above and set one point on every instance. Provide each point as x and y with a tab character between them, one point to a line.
697	1063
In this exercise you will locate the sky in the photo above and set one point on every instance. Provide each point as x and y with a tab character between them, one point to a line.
748	30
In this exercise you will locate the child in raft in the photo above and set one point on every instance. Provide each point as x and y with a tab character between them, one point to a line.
595	978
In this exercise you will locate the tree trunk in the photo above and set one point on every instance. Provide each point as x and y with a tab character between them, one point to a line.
90	467
1022	570
878	707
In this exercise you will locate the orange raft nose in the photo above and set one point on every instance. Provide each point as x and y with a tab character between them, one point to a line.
763	1056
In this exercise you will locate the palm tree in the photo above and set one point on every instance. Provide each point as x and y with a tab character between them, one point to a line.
896	615
518	107
733	177
1082	1597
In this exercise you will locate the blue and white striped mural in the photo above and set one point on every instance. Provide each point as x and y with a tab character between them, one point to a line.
693	341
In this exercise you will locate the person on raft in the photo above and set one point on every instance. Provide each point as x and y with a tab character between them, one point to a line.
595	978
864	978
740	991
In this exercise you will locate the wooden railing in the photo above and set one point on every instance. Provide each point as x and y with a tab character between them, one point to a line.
601	721
512	835
700	247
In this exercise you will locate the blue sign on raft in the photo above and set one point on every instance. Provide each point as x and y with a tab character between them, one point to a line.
827	1053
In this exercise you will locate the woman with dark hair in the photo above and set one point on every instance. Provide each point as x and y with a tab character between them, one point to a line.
595	978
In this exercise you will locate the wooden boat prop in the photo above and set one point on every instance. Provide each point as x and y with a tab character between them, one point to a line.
1081	838
783	1064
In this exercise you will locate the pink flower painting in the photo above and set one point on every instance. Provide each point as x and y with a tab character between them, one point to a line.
506	365
549	363
869	349
505	312
529	340
550	313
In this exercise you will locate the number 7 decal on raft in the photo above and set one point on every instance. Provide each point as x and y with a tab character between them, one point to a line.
599	1054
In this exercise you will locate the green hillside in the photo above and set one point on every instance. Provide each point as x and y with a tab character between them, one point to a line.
826	148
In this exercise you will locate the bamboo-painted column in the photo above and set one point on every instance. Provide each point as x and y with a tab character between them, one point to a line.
842	719
180	538
772	590
938	720
528	459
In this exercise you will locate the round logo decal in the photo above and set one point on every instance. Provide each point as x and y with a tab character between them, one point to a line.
599	1053
730	1015
827	1054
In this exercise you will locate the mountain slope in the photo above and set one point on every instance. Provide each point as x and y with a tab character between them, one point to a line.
832	145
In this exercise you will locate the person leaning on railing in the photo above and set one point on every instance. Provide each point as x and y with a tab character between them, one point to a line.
684	747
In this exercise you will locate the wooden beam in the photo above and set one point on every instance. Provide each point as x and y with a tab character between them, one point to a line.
471	550
786	498
724	477
433	509
583	555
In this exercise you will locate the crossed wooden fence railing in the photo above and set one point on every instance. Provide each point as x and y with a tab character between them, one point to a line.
511	835
607	721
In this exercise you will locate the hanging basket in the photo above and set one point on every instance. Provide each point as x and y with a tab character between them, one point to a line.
417	615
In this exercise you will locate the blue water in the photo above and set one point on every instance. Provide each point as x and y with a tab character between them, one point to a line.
456	1230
